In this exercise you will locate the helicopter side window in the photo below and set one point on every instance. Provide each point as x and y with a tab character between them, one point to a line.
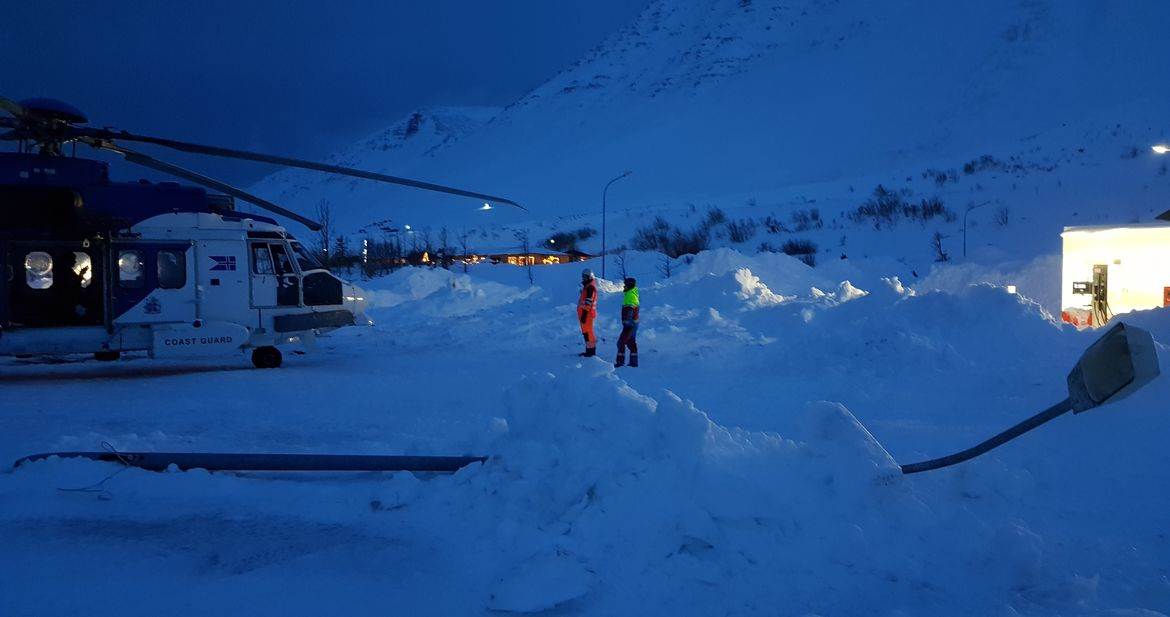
262	259
130	268
38	270
306	259
172	269
281	259
83	268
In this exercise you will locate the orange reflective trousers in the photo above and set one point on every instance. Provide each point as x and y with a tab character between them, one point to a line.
587	312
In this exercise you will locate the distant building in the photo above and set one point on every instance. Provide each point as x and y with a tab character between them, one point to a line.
517	256
1108	270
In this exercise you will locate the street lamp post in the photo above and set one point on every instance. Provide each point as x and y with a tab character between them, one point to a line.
603	196
965	213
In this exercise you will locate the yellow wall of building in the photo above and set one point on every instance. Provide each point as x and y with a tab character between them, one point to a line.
1139	265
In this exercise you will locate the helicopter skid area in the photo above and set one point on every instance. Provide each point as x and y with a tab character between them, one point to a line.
208	339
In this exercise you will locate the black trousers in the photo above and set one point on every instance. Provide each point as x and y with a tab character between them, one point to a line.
628	339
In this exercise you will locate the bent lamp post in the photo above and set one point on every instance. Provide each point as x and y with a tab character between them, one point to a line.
223	461
1118	364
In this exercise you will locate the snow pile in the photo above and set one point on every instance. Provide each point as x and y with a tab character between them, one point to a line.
622	485
781	272
1038	279
442	293
747	467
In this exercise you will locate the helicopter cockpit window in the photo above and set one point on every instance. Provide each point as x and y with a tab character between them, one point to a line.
172	269
130	268
281	259
83	268
305	259
262	259
38	270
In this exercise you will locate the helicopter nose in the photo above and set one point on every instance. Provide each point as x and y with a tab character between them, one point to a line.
355	301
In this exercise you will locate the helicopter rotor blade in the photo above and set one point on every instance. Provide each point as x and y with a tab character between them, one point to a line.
182	146
11	107
146	161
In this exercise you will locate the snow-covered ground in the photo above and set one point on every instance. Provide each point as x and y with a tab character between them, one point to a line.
746	468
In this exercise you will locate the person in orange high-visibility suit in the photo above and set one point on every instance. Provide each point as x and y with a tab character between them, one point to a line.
587	312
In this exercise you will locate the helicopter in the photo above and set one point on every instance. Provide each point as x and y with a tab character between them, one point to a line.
95	266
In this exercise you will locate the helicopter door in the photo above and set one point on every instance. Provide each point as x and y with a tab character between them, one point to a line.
153	282
274	278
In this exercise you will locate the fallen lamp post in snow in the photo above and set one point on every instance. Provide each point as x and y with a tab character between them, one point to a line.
212	461
1118	364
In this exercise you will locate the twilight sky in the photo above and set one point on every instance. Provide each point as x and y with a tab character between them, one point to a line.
293	77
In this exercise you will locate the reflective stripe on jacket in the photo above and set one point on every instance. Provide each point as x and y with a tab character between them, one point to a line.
588	299
630	305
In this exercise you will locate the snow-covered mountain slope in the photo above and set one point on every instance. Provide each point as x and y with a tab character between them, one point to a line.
417	138
714	101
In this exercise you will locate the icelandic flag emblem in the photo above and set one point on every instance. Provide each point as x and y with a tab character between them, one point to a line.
223	262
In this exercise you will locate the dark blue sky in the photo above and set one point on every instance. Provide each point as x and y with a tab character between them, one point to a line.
293	77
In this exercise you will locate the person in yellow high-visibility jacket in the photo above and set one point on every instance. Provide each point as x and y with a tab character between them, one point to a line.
629	336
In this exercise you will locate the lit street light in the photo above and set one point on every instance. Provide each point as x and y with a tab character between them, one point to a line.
1160	149
603	195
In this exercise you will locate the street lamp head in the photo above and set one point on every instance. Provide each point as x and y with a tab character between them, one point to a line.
1160	149
1122	361
486	206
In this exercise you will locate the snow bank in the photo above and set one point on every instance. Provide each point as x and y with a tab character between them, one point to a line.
604	500
1037	280
747	467
444	293
618	483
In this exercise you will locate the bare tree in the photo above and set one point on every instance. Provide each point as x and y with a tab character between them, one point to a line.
341	253
619	259
325	235
465	247
1003	216
940	254
428	244
522	237
666	266
444	251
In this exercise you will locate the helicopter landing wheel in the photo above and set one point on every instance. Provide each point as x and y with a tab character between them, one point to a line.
107	356
266	357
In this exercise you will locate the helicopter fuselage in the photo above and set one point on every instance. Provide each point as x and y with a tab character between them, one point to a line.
95	266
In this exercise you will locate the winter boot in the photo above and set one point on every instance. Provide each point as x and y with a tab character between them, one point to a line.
589	353
621	360
633	360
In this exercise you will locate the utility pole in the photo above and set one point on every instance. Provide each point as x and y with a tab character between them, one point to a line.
965	213
603	195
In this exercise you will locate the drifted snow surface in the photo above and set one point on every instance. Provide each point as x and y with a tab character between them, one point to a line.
747	468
